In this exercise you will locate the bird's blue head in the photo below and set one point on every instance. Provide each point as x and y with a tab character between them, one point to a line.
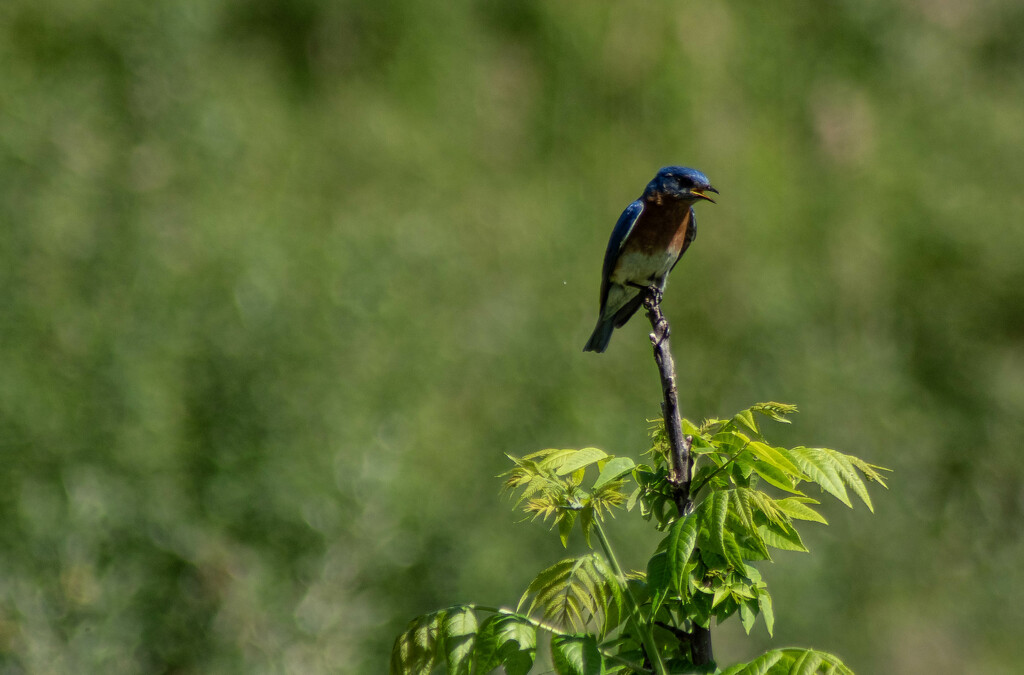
680	182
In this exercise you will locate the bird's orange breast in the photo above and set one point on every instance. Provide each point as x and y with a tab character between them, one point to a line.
662	231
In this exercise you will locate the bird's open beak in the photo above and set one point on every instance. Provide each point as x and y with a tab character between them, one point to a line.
703	193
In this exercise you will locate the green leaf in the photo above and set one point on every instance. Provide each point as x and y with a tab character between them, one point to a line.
614	469
776	458
765	505
485	654
741	540
576	655
415	650
759	666
508	641
850	476
776	411
698	436
782	536
731	550
789	661
659	580
775	476
716	513
553	576
574	591
745	418
764	602
407	658
720	595
729	441
748	614
565	522
806	663
869	470
740	505
679	545
794	507
578	459
458	631
631	502
820	468
586	522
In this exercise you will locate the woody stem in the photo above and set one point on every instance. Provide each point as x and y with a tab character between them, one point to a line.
681	461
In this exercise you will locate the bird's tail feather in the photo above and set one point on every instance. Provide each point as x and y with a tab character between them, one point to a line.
628	310
601	336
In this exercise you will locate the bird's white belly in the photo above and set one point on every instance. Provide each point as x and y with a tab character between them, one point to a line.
635	268
641	268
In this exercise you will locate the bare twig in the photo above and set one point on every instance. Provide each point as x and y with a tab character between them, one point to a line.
681	462
681	471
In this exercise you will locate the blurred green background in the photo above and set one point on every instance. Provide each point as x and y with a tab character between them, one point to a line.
282	280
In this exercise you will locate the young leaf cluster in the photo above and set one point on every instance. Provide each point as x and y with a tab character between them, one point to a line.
551	486
748	497
701	569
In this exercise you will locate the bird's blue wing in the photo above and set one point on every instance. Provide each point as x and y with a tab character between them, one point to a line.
619	235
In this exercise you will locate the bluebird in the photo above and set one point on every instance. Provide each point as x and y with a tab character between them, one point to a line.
647	242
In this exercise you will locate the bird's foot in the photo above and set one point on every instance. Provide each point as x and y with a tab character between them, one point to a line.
655	294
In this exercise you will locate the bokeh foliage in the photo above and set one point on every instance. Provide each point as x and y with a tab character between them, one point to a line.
267	265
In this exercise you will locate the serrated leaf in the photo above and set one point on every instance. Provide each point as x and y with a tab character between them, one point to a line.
546	578
764	602
775	476
765	505
416	650
850	476
565	522
615	608
578	459
485	652
745	418
869	470
576	655
659	580
721	594
748	614
782	536
759	666
796	508
776	458
821	469
776	411
575	590
586	522
406	658
631	502
458	632
729	441
679	545
806	663
508	641
731	550
716	512
613	470
740	505
425	633
535	485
